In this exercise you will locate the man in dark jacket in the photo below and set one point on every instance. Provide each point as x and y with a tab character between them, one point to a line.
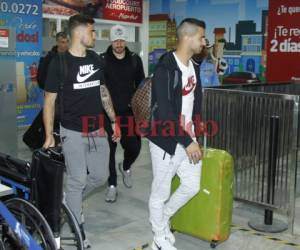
176	104
61	46
123	71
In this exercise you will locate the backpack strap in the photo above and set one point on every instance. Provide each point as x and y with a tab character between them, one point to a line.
134	60
63	76
103	59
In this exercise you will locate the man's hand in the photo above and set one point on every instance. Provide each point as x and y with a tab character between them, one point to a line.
194	153
49	142
117	132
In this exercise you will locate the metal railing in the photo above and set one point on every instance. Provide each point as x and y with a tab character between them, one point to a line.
244	126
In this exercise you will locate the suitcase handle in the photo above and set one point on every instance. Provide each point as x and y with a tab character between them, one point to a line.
53	152
205	145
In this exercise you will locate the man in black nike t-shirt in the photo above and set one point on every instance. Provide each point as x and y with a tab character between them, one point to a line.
84	98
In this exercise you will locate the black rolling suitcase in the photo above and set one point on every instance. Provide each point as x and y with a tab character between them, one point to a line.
47	170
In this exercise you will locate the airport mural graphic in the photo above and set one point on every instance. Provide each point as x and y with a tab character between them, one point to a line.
26	19
238	27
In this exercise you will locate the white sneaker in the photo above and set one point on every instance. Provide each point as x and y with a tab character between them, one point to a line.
162	244
64	201
169	235
111	194
87	244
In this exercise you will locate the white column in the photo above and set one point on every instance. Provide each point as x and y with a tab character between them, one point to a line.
144	36
58	25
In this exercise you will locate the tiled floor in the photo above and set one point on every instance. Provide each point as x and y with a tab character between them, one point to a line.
124	225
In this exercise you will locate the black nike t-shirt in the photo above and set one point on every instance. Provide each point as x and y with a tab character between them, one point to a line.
81	91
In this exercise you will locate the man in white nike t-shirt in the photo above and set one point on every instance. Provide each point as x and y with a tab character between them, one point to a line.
176	102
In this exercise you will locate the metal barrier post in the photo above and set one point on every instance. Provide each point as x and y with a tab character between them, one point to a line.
293	166
273	143
244	132
269	224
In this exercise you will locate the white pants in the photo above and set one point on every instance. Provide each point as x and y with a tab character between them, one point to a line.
161	205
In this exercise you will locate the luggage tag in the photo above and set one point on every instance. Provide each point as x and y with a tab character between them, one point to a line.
203	147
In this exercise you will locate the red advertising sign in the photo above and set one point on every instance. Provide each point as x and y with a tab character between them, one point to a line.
283	48
4	33
123	10
118	10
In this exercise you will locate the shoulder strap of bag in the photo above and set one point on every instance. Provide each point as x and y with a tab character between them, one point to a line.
134	60
103	59
63	76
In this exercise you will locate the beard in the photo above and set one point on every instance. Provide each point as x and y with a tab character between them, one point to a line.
197	50
119	50
88	44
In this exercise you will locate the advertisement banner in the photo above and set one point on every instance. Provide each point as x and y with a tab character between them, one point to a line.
117	10
123	10
26	19
283	48
71	7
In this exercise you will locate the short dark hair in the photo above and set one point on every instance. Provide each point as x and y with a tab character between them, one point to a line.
188	25
79	20
61	34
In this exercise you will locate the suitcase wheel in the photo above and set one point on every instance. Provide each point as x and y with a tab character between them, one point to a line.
213	244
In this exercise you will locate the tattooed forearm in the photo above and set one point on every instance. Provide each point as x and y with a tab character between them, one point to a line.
107	103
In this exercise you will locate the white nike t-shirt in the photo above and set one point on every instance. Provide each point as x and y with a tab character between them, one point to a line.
189	82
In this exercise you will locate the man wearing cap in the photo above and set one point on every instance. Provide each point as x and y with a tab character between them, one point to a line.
123	71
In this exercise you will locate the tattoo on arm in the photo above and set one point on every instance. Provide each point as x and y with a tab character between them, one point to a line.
107	103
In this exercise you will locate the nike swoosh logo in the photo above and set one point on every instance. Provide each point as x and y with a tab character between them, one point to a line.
188	89
83	78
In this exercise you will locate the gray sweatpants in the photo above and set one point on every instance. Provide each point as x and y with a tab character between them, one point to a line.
86	159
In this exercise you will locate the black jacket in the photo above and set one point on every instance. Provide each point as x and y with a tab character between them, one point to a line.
167	104
122	76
